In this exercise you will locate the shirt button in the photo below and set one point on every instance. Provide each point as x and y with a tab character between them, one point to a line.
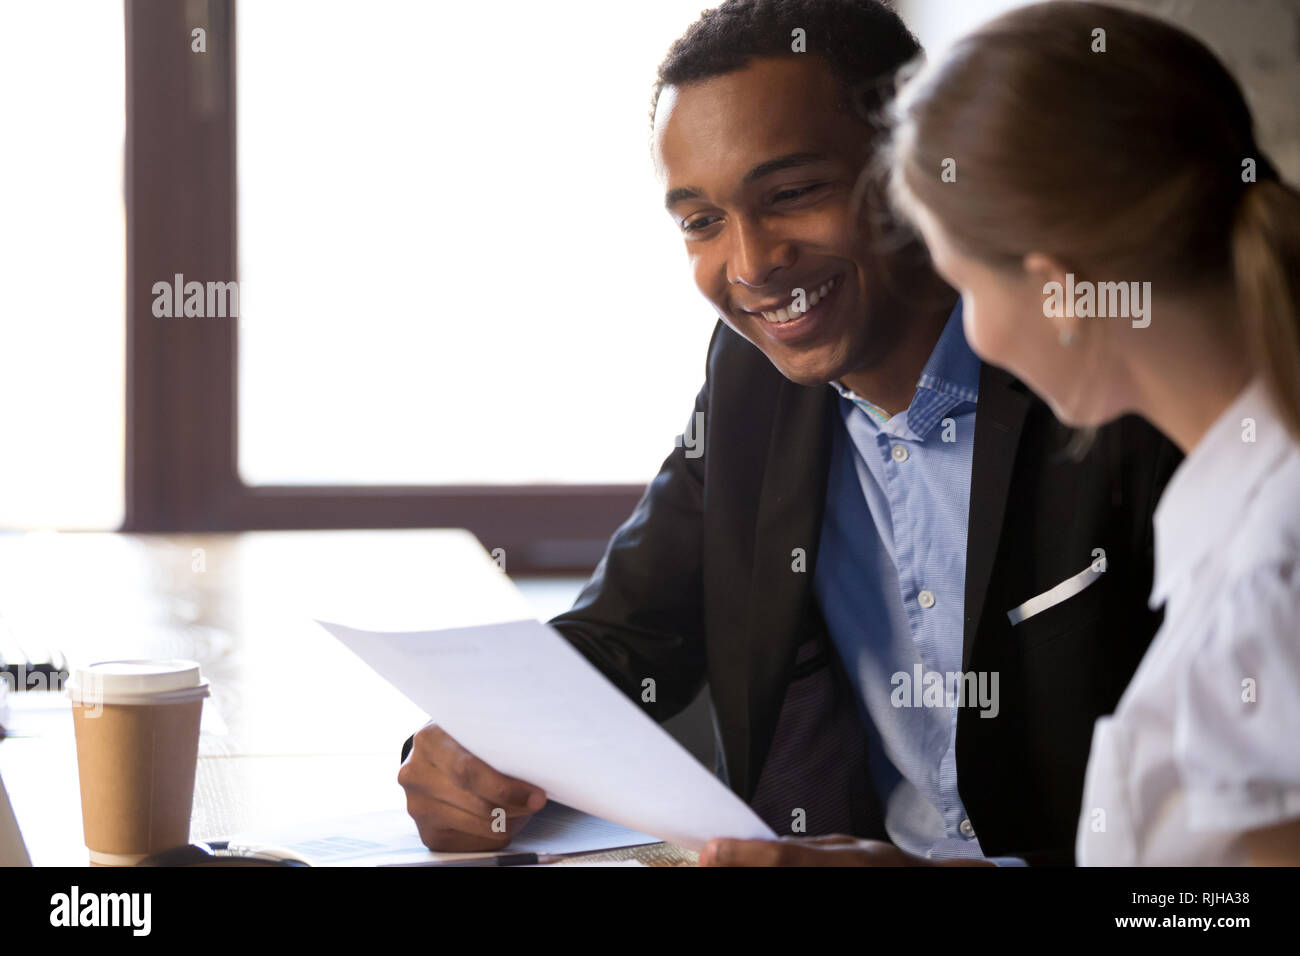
966	829
899	453
925	599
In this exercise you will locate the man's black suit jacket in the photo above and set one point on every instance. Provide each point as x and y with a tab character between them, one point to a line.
700	583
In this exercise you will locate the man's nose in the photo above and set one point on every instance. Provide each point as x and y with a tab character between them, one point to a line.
756	254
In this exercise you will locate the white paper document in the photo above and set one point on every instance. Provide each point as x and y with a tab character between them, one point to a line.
389	838
521	698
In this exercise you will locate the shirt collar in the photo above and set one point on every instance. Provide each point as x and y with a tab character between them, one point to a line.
951	376
1214	485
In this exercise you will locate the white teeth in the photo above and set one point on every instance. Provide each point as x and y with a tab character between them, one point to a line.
788	313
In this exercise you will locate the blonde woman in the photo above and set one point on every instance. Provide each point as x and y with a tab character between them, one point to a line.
1089	179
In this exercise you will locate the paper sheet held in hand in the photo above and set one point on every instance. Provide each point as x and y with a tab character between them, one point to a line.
521	698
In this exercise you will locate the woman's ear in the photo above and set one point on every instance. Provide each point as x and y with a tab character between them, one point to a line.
1048	275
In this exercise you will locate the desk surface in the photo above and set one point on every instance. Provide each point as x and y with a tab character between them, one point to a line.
284	737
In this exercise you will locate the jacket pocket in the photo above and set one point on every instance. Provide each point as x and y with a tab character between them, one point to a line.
1081	609
1055	595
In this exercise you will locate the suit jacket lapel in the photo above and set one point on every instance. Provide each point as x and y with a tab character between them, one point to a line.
999	419
791	504
780	598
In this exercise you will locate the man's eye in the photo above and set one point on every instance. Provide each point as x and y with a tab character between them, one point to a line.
695	225
787	194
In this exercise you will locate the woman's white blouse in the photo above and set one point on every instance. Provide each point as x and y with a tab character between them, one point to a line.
1205	742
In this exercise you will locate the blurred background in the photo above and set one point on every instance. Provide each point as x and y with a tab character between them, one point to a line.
461	302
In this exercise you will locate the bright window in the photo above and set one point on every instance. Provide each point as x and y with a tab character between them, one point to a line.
454	258
62	249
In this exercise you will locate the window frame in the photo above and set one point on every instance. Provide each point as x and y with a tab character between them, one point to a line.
181	373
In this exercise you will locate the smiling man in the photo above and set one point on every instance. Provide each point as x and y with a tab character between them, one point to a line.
761	234
872	506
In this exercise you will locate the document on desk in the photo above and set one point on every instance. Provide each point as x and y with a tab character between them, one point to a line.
389	838
521	698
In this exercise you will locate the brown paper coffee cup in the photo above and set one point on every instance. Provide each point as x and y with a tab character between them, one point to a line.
137	730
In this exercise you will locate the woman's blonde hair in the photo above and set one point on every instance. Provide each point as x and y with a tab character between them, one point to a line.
1116	143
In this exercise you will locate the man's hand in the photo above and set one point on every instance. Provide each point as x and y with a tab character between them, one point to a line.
833	850
458	802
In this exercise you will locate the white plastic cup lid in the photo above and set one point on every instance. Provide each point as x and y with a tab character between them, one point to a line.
131	682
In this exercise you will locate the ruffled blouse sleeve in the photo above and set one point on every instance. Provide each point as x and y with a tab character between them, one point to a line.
1236	734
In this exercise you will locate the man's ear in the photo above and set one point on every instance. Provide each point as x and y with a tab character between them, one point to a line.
1047	275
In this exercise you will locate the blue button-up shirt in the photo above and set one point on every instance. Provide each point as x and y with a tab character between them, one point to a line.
890	579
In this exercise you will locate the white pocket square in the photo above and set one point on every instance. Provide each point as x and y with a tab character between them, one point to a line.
1054	596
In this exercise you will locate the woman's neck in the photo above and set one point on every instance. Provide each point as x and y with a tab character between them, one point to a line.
1184	381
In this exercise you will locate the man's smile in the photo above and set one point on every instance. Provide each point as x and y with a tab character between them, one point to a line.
797	317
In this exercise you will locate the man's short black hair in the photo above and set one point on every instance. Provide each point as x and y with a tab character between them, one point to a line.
863	41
